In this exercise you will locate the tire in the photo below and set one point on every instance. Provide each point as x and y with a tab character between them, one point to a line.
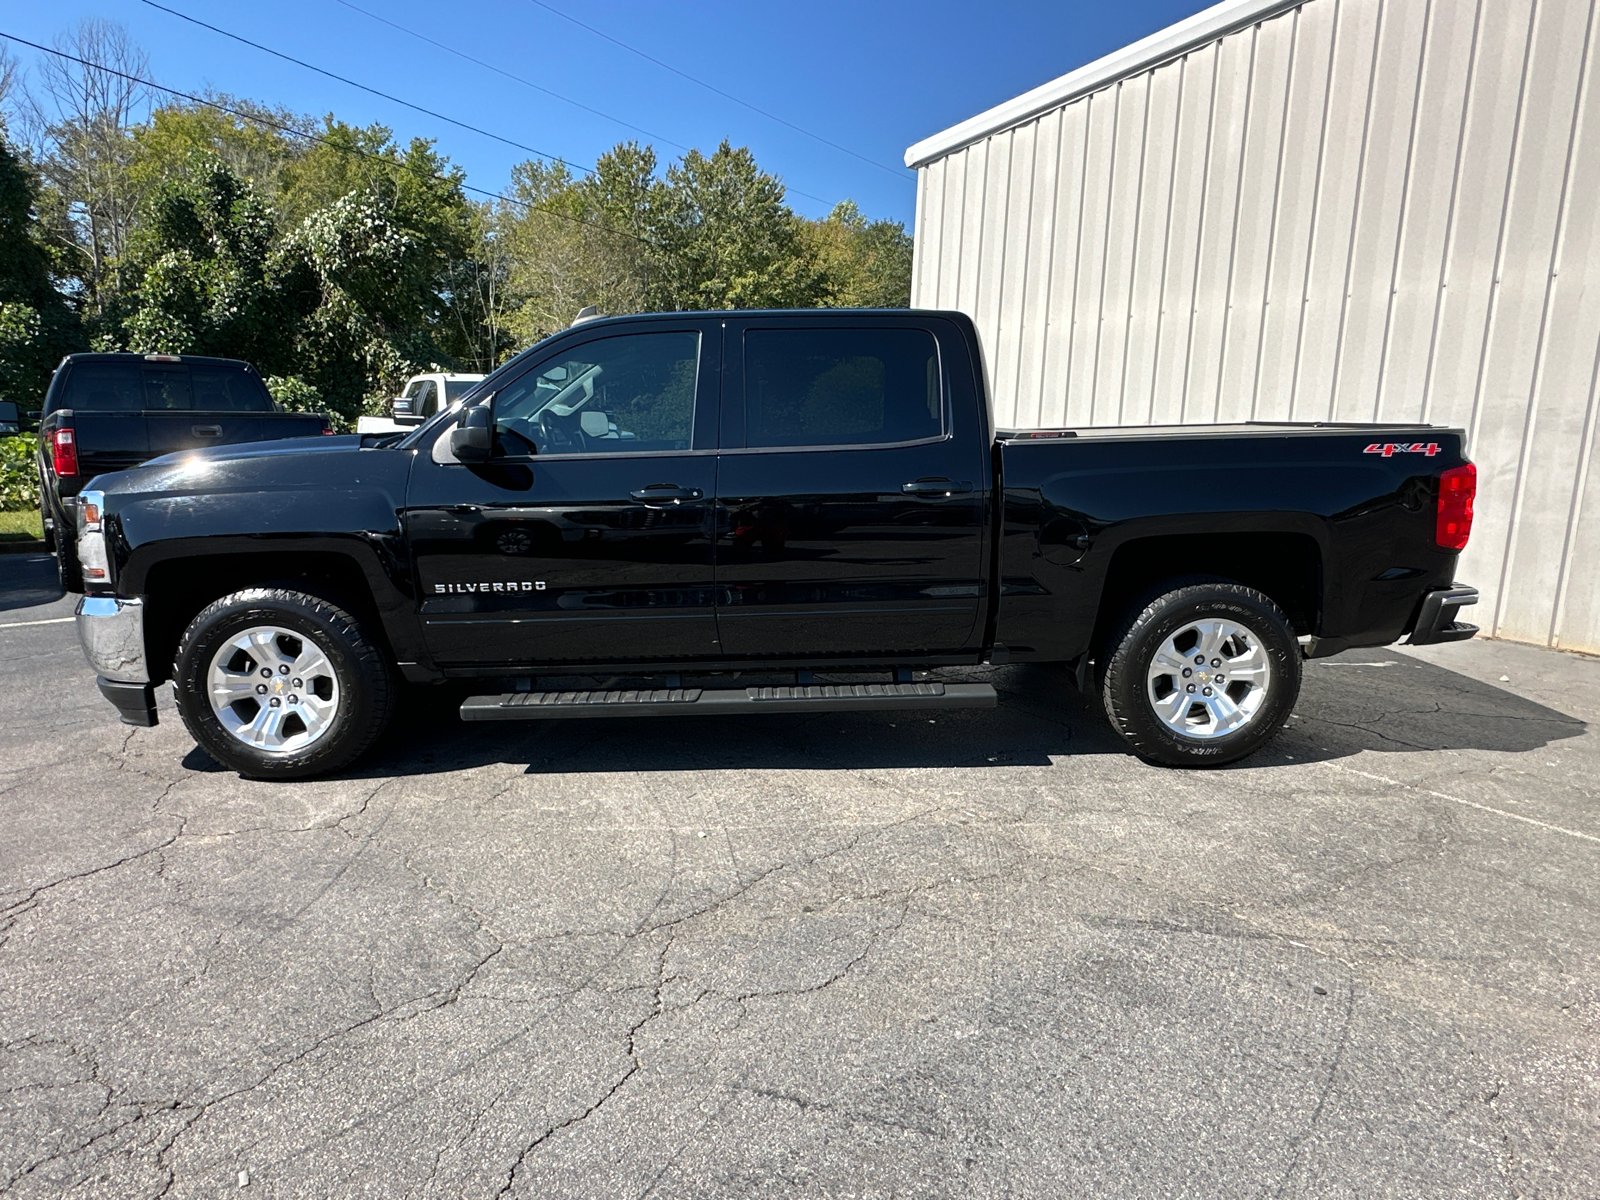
68	569
1156	694
333	686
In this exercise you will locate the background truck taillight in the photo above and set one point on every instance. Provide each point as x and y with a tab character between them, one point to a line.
1457	488
63	452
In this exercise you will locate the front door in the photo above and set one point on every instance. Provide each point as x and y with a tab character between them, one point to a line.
587	539
850	512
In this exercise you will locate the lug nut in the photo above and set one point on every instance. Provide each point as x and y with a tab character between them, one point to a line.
274	702
1199	660
266	672
1216	662
1220	678
1187	672
1190	688
294	699
261	689
298	683
1206	691
283	670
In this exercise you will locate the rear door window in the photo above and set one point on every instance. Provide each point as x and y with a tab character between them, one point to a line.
841	387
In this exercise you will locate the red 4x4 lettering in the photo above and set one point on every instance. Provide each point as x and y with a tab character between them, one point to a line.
1390	449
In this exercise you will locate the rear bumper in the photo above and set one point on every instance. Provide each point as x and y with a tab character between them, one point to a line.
1436	616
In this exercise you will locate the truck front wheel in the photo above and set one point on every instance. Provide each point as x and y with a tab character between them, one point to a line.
278	684
1202	674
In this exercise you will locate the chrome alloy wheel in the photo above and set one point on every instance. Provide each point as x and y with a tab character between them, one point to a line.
273	689
1208	679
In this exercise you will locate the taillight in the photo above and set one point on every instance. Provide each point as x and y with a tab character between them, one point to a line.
63	452
1457	488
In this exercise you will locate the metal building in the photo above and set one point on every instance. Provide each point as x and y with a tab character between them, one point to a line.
1349	210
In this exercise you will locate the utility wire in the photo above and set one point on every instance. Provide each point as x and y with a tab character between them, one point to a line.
363	87
538	87
283	127
895	171
422	37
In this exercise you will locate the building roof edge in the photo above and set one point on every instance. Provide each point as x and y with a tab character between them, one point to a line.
1161	46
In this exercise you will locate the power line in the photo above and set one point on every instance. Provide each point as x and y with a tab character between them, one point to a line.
895	171
422	37
283	127
363	87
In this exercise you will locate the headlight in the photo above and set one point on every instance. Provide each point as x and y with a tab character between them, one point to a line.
92	538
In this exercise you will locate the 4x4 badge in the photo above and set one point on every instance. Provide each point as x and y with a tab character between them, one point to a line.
1390	449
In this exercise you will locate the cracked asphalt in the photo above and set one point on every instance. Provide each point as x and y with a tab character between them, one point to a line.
987	954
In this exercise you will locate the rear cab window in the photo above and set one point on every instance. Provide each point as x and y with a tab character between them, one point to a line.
132	386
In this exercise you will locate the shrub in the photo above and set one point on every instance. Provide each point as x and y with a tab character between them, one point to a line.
19	478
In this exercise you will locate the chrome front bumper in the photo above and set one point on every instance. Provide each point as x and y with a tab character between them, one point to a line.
111	631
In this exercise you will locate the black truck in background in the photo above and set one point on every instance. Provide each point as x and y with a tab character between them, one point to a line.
107	412
760	512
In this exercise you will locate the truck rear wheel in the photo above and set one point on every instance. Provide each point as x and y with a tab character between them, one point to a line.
68	570
1202	674
278	684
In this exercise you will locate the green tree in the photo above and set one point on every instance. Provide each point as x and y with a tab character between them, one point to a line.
256	150
36	326
865	264
727	240
206	282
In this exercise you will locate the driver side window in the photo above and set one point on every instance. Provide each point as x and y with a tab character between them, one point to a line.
615	395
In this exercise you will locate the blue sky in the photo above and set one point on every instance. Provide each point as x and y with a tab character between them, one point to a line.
870	77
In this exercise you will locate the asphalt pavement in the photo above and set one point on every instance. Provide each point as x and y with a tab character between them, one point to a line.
985	954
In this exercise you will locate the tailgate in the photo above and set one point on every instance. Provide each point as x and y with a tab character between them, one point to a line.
175	430
108	441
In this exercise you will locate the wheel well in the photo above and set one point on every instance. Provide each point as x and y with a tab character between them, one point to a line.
1284	566
179	588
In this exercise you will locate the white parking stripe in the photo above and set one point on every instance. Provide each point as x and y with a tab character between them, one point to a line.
51	621
1499	812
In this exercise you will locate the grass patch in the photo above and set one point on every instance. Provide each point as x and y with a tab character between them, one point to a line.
21	526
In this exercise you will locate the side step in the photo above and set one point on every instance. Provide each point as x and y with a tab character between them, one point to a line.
693	702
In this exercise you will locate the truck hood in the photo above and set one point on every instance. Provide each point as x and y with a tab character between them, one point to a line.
245	466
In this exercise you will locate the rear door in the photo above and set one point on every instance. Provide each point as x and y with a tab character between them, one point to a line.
588	539
850	497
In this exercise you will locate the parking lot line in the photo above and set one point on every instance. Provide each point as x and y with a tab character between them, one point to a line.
51	621
1499	812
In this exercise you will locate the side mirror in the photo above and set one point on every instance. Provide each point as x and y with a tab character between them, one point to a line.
473	439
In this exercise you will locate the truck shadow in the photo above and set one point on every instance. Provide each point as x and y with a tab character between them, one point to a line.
1363	701
28	580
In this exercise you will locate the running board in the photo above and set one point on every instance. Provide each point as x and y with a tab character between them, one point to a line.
692	702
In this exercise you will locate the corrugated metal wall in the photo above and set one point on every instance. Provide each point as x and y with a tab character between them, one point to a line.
1357	210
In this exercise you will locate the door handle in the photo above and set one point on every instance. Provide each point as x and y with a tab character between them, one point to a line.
206	430
462	510
936	487
666	493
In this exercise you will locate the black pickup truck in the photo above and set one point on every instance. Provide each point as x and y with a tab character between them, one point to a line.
760	512
106	412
